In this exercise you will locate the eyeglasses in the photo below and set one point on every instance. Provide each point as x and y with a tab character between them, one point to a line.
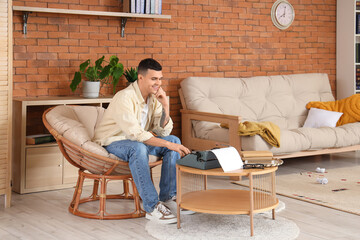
254	165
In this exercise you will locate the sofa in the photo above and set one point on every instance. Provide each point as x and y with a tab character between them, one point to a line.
207	102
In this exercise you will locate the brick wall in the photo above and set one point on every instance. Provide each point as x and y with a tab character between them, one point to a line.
218	38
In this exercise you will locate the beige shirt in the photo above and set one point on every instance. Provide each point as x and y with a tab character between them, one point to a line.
122	118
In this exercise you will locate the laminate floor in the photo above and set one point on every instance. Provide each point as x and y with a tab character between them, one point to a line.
44	215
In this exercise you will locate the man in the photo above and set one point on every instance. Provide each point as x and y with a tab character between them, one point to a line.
137	123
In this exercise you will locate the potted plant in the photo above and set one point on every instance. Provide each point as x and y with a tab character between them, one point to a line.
96	74
131	74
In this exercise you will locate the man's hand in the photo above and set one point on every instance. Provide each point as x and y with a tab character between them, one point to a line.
161	96
181	149
158	142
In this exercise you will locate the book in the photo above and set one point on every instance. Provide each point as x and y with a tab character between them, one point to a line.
152	6
257	154
265	162
39	139
138	6
160	6
147	6
156	6
133	6
142	6
257	158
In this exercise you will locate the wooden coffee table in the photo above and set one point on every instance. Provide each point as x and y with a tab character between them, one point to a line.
192	192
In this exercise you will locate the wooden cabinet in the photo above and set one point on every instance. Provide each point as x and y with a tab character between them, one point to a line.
347	48
41	167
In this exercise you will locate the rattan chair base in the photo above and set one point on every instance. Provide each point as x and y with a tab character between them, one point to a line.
102	180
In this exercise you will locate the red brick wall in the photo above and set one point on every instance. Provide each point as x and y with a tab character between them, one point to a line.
218	38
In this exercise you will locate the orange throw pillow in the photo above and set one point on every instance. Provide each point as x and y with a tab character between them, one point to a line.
350	106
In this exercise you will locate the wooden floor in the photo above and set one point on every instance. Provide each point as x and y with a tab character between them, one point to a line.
44	215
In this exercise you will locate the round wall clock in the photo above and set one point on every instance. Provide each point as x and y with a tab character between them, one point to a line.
282	14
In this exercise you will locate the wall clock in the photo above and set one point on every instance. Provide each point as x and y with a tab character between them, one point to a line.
282	14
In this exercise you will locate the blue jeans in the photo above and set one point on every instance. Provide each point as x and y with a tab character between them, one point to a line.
137	155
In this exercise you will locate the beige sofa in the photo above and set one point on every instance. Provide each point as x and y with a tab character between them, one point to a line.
281	99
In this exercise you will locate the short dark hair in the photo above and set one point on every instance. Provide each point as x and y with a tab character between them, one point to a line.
148	63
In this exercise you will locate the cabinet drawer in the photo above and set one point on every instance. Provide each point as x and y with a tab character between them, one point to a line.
43	167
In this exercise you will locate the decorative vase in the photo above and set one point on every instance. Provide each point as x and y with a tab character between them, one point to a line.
91	89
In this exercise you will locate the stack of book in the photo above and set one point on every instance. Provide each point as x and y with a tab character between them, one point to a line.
357	78
142	6
39	139
257	157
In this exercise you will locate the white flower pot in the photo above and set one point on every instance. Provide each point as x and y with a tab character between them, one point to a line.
91	89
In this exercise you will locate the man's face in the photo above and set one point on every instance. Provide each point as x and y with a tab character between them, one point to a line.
150	82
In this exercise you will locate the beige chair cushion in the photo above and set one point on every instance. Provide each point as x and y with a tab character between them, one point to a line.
77	124
280	99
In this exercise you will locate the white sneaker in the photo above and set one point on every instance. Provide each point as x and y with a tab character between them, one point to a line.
161	214
171	203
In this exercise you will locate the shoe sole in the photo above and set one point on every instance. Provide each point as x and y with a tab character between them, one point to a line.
172	205
167	221
187	212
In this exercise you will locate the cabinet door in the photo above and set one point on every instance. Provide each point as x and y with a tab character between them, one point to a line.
70	173
43	167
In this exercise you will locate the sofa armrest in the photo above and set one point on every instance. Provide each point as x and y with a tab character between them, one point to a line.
210	117
192	142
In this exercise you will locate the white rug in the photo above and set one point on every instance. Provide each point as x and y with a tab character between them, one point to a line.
212	226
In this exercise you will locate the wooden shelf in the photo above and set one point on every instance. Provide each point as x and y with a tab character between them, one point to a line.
86	12
122	15
224	201
51	144
53	100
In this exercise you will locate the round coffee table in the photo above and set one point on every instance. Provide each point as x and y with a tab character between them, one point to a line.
258	196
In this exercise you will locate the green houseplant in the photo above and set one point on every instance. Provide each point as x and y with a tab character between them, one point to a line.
131	74
107	74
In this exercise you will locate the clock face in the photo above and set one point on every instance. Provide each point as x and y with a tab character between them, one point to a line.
284	14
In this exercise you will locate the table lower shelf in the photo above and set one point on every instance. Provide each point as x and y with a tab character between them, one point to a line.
227	201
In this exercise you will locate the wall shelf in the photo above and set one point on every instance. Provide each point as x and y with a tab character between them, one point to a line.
122	15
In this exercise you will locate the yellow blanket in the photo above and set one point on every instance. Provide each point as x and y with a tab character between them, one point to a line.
350	107
269	131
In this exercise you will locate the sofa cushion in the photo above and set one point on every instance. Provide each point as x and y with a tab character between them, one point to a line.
350	107
295	140
290	141
321	118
